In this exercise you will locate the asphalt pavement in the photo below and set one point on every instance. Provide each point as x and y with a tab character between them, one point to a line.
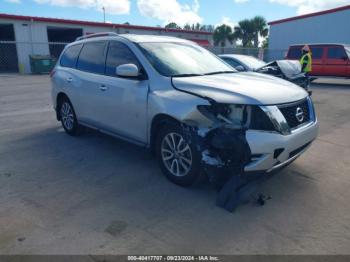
98	195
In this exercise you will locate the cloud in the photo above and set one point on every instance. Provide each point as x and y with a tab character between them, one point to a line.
241	1
170	11
115	7
14	1
227	21
309	6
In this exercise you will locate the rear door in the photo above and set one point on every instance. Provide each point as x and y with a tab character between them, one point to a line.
90	73
336	61
318	57
67	77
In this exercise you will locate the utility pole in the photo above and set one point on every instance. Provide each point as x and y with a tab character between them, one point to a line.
104	14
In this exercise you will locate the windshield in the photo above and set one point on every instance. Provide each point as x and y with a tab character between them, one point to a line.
252	62
182	59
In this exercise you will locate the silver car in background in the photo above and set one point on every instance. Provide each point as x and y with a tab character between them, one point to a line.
184	103
285	69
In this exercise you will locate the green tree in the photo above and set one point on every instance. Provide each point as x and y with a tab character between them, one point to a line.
173	25
260	29
187	27
203	28
210	28
265	43
223	34
245	32
197	26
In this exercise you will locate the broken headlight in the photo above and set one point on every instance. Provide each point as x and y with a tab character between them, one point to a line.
236	116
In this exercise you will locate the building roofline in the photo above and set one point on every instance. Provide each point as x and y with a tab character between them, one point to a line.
342	44
97	24
334	10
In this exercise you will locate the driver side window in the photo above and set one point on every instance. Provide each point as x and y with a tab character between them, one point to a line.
119	54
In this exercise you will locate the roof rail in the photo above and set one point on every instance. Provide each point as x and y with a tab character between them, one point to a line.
96	35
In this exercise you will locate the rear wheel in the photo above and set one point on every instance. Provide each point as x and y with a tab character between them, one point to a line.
178	159
68	118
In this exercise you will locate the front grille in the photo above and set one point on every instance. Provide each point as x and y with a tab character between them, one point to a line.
260	121
290	113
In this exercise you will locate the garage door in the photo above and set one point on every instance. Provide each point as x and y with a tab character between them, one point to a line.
58	35
8	50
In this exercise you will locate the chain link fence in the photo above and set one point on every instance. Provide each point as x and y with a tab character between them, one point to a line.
15	56
261	53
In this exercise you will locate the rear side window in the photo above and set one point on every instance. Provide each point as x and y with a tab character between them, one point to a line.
119	54
336	52
70	56
317	52
294	52
92	58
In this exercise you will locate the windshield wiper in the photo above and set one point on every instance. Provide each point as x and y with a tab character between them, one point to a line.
220	72
186	75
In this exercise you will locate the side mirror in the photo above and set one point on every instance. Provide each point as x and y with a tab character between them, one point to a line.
240	68
127	70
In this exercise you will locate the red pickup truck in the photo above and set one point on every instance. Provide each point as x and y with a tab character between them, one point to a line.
327	59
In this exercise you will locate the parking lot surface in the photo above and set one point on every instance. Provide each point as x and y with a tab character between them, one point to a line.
98	195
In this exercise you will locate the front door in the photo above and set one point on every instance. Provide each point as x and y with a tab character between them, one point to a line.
116	104
318	55
336	62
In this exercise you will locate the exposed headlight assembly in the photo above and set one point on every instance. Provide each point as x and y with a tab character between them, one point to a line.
236	116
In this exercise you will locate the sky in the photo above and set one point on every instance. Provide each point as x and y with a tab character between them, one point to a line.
161	12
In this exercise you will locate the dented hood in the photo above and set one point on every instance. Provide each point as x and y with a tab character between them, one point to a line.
289	68
242	88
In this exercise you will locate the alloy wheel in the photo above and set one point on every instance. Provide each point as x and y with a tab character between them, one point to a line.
67	116
176	154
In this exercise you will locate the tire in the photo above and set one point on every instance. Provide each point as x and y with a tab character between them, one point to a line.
180	164
68	117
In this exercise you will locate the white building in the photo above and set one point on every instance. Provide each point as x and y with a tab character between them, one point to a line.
330	26
21	36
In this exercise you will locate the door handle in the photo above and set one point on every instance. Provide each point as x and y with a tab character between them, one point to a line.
103	88
69	79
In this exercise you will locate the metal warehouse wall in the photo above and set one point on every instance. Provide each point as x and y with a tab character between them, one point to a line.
32	39
327	28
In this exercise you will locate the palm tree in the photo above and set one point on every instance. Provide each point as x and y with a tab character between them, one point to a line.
210	28
173	25
222	34
187	27
260	29
265	43
245	32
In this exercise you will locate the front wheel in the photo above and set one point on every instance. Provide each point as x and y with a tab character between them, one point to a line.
178	159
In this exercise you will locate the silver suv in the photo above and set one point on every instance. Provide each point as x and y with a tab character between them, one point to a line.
191	108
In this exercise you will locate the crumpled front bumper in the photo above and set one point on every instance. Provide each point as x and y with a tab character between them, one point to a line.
272	150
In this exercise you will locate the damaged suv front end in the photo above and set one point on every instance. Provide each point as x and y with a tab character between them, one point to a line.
229	122
279	124
294	129
276	134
